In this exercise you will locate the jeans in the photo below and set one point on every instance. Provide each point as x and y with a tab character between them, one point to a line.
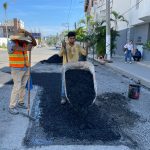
128	55
62	89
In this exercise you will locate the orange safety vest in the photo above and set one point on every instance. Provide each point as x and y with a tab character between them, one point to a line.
19	59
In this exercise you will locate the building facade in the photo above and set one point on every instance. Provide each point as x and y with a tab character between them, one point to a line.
12	25
136	12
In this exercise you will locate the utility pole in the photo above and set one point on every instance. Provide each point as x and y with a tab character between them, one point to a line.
75	26
108	36
68	26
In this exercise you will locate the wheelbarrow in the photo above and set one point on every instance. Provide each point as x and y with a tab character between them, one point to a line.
80	84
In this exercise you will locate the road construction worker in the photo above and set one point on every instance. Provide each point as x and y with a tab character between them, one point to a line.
70	52
18	45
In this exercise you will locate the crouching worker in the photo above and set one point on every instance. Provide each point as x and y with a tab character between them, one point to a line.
137	55
70	52
18	45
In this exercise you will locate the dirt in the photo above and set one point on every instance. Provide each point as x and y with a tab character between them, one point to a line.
53	59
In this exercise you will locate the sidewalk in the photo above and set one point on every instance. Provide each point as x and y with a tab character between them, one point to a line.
138	71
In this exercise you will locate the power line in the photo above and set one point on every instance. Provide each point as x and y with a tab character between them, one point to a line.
132	7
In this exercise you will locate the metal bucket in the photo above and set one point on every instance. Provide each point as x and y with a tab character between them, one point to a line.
134	91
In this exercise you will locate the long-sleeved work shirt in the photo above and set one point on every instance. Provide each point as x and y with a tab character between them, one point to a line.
73	53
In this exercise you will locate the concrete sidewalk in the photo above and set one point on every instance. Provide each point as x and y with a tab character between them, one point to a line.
138	71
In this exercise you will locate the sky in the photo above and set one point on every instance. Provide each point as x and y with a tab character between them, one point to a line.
48	16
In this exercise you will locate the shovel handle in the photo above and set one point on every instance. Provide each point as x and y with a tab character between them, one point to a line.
29	83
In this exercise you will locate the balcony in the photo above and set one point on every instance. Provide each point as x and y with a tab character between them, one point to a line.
145	17
144	11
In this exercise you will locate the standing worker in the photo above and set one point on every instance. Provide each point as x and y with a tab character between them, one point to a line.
70	52
21	42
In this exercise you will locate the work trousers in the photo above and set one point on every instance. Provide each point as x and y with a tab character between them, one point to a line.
20	79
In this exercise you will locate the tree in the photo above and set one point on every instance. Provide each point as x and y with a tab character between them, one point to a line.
5	6
116	18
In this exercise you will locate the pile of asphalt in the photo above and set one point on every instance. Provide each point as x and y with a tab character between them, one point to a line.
53	59
57	124
101	123
80	87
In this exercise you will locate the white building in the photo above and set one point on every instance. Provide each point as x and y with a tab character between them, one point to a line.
137	12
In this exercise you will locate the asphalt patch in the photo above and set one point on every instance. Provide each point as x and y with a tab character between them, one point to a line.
57	124
53	59
80	87
6	69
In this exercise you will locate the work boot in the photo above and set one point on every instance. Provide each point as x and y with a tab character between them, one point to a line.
21	105
13	111
63	101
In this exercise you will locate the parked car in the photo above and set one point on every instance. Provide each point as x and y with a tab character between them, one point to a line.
39	46
57	46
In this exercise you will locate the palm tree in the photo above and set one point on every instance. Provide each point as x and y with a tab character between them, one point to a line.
5	6
116	18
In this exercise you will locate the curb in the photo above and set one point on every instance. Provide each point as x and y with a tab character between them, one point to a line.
143	64
136	78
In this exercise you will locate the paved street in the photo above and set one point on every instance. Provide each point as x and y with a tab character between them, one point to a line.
130	118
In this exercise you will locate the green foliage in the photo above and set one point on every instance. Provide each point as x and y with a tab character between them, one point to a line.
5	5
101	40
52	40
96	33
147	45
81	34
116	17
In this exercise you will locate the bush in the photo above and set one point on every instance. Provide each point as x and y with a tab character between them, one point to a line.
101	40
147	45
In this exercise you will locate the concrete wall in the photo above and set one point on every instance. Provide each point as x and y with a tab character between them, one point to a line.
138	32
3	41
146	54
121	6
121	41
140	12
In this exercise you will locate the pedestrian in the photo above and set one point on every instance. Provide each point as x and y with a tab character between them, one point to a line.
70	52
128	52
137	55
18	45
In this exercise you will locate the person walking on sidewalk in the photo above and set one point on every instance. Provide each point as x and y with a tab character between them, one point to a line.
18	45
70	52
128	52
